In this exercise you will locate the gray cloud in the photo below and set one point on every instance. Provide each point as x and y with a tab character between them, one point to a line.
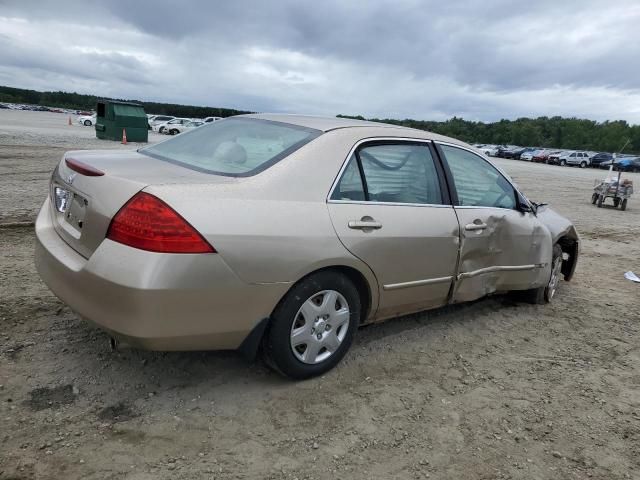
404	58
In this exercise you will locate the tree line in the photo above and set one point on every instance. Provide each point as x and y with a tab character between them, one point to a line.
552	132
77	101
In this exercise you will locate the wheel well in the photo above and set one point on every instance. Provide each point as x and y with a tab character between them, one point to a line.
364	290
360	282
569	247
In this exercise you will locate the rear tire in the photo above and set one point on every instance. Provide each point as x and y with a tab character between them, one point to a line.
600	200
623	205
173	132
545	294
583	164
594	198
563	163
313	326
87	123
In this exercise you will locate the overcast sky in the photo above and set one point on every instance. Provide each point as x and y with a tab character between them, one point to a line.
480	60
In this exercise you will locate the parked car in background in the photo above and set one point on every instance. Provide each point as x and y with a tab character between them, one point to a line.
600	158
541	155
554	158
628	164
580	159
489	150
502	149
158	119
569	157
211	119
175	129
220	238
87	120
160	127
513	153
529	153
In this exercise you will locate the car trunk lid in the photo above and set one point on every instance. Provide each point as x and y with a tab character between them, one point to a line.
83	203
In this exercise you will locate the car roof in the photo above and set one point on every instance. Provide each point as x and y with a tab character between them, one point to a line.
362	127
324	124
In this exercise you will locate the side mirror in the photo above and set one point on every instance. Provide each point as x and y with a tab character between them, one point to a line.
523	204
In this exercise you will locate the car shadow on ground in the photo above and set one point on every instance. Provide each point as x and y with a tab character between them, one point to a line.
89	351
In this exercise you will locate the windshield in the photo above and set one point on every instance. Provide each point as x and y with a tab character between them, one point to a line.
236	147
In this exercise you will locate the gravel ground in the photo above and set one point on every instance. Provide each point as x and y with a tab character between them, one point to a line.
492	389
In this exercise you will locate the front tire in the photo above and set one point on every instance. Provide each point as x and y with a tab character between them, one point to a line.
563	163
87	123
583	164
313	326
546	293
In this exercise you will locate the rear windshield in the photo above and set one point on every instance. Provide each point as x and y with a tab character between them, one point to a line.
237	147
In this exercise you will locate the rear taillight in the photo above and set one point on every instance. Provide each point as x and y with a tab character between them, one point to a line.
148	223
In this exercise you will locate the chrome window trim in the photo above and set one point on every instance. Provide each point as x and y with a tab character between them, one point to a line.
345	163
471	207
417	283
392	204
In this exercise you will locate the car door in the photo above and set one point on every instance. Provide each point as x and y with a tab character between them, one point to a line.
390	208
503	244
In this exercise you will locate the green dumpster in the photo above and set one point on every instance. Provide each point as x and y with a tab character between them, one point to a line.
113	117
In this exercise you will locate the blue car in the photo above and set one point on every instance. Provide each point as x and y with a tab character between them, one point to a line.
629	164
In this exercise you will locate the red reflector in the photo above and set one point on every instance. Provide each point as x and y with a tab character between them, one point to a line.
82	168
148	223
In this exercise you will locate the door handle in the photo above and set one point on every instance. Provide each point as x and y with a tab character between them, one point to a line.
475	226
364	225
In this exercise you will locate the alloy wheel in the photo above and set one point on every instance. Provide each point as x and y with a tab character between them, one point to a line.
320	326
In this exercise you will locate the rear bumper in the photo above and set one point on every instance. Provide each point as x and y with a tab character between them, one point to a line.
153	300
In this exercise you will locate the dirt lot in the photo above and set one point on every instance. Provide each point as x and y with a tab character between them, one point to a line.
487	390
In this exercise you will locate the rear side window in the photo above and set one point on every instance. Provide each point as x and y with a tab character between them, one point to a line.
394	173
477	182
233	146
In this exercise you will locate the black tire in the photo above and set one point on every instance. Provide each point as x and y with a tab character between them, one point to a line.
544	294
600	200
87	123
583	164
161	129
616	202
623	205
563	163
173	131
277	348
594	198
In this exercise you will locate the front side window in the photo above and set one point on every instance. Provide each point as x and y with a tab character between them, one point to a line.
393	173
234	146
477	182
